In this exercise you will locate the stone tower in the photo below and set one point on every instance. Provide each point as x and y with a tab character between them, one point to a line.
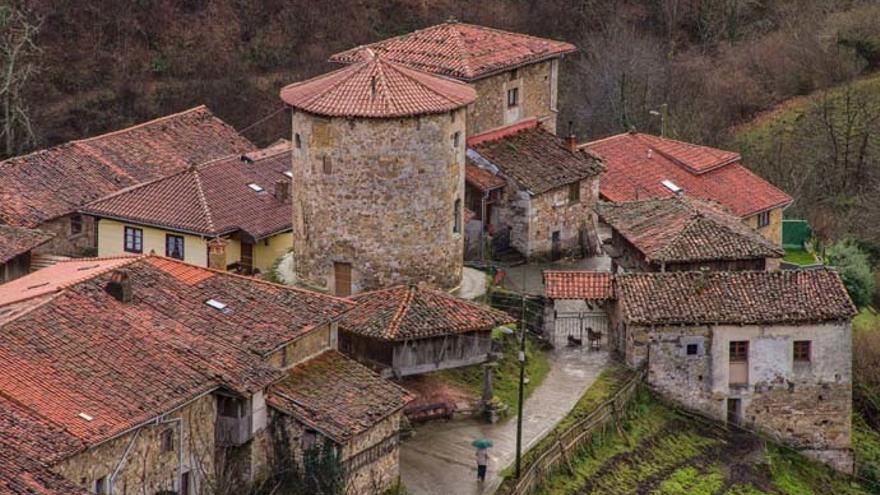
378	176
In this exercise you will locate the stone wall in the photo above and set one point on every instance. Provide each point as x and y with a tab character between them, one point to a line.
65	243
307	346
379	194
804	404
773	230
537	85
146	468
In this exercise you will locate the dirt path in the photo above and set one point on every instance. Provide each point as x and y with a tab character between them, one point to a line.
439	458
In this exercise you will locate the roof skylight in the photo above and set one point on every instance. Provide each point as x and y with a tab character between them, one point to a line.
255	187
219	306
288	173
672	186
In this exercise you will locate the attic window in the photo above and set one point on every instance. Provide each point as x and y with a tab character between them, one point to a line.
288	173
219	306
255	187
672	186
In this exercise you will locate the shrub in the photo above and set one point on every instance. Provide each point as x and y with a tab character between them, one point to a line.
854	267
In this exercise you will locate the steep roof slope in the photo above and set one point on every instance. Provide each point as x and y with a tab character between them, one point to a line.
16	240
463	51
210	199
737	298
95	366
682	229
377	88
409	312
532	156
638	164
53	182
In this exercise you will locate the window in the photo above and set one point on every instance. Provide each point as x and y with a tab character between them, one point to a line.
763	219
574	192
512	97
456	215
514	74
456	139
101	485
76	224
184	484
309	439
174	246
802	351
297	141
739	351
328	165
166	441
134	240
692	349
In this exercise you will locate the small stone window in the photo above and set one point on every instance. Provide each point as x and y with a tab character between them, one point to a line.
692	349
512	97
514	74
166	441
574	192
763	219
456	139
100	485
456	215
328	164
309	439
76	224
297	141
802	350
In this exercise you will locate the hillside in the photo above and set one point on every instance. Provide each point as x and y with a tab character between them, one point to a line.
666	453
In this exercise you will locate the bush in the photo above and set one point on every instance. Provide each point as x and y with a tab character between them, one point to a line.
855	268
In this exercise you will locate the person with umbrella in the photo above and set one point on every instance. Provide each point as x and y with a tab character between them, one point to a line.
482	445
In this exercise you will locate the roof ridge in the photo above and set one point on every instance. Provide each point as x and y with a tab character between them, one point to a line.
134	187
143	124
459	44
410	73
607	138
402	309
203	200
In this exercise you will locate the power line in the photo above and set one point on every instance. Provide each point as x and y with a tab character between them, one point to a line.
247	128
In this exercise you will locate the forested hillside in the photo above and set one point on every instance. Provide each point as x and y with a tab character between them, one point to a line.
96	65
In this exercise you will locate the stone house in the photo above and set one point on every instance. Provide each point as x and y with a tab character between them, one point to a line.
515	75
43	190
774	355
641	166
546	208
16	245
187	360
680	233
239	205
378	176
407	330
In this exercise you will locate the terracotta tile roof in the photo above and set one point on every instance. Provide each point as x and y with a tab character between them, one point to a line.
636	164
360	397
79	350
377	88
736	298
410	312
211	199
482	179
591	286
463	51
16	240
680	229
533	157
56	181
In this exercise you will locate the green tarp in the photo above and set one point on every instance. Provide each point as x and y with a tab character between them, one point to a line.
795	234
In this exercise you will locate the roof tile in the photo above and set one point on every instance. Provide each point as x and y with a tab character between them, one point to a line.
15	241
590	286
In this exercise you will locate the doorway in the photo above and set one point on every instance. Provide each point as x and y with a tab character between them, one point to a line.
734	411
555	246
342	279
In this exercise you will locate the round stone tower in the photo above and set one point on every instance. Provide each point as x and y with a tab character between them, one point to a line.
378	176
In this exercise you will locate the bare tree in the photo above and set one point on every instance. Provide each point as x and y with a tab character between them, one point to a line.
19	62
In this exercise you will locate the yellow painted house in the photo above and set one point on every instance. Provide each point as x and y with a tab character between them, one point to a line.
243	201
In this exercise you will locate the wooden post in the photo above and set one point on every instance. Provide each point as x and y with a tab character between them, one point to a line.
563	456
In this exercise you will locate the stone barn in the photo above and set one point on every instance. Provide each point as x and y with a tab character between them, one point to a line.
16	244
407	330
378	176
680	233
769	350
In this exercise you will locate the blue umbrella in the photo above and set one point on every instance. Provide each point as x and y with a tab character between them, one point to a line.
482	443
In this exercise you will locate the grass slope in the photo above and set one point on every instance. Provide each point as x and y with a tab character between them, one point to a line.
665	453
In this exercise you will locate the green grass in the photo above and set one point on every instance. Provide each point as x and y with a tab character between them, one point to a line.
799	257
867	319
665	453
866	443
505	381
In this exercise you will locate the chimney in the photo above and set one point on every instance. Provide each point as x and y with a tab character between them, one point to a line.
217	254
571	140
282	190
119	286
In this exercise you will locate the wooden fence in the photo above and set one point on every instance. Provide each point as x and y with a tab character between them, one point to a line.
570	442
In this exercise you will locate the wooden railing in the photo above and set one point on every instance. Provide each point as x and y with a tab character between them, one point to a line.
569	442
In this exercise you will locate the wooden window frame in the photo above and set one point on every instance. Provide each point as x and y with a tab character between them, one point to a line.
513	97
76	224
763	219
574	192
136	234
802	351
166	441
182	239
739	351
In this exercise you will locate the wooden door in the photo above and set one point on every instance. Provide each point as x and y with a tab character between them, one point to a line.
342	279
739	363
247	257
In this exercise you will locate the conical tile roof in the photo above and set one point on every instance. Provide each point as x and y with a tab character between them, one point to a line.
377	88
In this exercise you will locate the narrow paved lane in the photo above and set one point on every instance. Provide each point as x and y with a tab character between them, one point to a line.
439	459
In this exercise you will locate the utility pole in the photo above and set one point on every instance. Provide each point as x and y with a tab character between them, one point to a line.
663	113
522	375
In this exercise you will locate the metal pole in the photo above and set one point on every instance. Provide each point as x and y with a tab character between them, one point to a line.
522	375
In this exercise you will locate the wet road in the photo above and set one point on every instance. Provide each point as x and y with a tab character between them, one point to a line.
439	459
